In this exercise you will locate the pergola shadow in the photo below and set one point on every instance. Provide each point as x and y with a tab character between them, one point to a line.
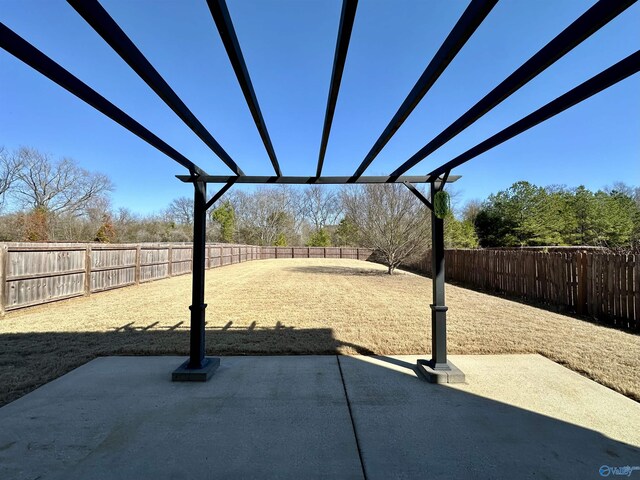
347	416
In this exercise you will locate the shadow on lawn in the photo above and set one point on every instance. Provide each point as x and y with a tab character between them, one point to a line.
29	360
340	270
405	427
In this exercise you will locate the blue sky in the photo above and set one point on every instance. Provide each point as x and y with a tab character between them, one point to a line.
288	47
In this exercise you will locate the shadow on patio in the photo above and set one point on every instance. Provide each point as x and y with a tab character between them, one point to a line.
296	416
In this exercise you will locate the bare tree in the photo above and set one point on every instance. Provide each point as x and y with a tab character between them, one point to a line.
390	219
70	227
268	215
180	211
11	227
127	224
9	167
624	189
60	187
471	210
321	206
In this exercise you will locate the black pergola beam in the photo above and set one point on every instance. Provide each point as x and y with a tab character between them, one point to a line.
347	18
470	20
587	24
309	180
100	20
612	75
27	53
222	19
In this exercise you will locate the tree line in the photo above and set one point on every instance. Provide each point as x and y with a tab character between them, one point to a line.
48	199
529	215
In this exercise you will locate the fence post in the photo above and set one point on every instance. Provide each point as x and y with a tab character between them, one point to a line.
170	257
582	283
138	262
636	289
4	266
87	270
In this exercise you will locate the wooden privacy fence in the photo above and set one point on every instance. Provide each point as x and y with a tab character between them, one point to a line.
33	274
316	252
601	285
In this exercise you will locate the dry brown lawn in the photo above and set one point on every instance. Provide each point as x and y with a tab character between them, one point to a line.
301	307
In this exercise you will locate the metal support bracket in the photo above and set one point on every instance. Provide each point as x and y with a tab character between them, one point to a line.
217	196
443	182
412	188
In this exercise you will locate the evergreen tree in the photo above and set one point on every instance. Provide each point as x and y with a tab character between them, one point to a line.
225	216
528	215
459	233
346	235
319	238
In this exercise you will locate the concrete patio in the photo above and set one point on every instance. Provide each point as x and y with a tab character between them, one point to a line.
518	416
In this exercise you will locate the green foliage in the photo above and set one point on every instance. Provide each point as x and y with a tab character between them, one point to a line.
459	234
225	216
319	238
441	204
527	215
616	213
346	235
281	240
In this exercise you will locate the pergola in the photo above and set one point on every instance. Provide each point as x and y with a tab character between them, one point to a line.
438	369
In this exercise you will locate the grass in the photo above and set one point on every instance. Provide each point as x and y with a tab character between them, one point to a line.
317	306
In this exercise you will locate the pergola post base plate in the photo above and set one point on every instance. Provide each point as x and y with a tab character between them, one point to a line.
185	374
445	373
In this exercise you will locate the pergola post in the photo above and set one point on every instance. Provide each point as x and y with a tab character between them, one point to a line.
438	369
198	368
438	307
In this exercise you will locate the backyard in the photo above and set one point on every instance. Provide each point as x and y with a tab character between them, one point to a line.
301	306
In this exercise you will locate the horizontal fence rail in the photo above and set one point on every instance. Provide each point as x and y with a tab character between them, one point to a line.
33	274
604	286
